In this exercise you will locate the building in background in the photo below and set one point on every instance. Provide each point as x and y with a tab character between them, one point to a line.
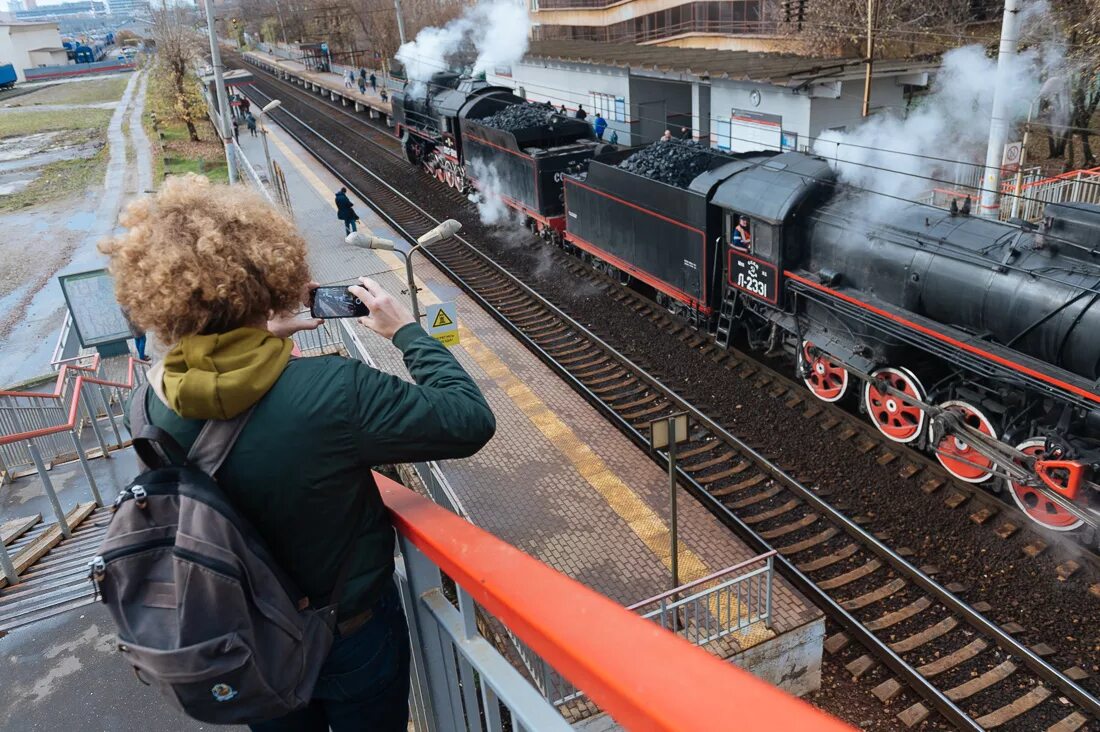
128	8
61	10
26	45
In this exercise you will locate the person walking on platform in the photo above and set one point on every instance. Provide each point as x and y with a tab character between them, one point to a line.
223	287
373	82
614	137
246	105
345	211
362	85
236	131
251	122
581	114
599	125
349	79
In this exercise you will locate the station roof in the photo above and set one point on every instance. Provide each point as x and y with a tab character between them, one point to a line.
771	68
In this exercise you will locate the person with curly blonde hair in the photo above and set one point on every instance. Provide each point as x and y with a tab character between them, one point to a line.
217	273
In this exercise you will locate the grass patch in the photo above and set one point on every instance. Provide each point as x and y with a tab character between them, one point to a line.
26	122
216	172
58	180
85	91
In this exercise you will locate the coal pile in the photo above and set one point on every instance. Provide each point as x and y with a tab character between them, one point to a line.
675	162
519	117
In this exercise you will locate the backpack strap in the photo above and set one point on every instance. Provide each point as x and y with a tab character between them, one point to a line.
215	440
155	447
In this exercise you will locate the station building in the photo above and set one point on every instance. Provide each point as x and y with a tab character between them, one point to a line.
736	100
31	44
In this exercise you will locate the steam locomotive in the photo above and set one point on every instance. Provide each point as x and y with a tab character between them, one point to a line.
968	337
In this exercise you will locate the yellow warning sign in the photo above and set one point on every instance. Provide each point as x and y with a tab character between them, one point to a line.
442	320
450	338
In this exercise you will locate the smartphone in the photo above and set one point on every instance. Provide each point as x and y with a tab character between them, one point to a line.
335	302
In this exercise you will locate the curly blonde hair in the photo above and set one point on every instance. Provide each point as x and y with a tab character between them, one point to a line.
205	258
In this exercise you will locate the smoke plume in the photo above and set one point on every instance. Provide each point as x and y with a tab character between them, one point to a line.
491	208
495	30
896	155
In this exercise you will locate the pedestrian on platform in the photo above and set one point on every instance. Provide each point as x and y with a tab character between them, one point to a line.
685	133
667	137
362	85
345	211
564	110
373	82
236	131
383	95
245	105
599	124
349	79
363	73
251	122
223	287
581	114
614	137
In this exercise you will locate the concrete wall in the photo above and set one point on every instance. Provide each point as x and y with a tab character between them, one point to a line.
658	105
70	70
792	108
887	95
17	41
792	661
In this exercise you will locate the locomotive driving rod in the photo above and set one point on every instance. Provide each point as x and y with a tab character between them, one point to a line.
1006	458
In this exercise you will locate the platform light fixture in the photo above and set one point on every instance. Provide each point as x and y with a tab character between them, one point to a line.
442	232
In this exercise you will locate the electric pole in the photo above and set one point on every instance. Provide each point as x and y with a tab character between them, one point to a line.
998	126
870	56
223	98
400	22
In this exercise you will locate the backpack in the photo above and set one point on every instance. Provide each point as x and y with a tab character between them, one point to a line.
204	613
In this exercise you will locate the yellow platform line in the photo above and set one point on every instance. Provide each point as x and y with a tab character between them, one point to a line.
628	505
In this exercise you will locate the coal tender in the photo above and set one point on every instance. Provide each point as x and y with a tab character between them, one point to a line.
521	151
647	214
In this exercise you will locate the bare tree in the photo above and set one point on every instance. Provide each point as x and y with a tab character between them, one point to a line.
178	49
1078	22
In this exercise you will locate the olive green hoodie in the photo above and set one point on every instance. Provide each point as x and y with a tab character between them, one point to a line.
318	429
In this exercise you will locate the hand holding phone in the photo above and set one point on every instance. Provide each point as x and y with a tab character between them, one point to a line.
336	302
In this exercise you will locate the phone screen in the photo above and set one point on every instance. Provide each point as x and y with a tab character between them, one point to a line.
336	302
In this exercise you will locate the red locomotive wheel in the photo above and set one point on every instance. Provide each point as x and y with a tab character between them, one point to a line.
440	175
827	379
450	178
960	458
1034	503
897	419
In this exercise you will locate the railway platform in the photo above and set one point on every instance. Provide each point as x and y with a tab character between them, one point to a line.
557	480
327	84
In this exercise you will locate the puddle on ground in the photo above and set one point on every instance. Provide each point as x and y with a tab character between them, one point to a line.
15	182
15	148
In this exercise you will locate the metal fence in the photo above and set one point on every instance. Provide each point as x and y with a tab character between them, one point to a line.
701	612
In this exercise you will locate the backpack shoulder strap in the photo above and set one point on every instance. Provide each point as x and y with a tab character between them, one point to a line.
139	411
215	440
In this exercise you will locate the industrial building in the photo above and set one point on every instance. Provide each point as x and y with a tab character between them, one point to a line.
736	100
27	45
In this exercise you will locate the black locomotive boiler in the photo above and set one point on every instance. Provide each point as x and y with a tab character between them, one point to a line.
968	337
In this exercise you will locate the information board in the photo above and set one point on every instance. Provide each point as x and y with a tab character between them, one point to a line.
97	316
751	131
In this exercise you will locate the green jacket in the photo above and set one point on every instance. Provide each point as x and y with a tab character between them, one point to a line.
312	441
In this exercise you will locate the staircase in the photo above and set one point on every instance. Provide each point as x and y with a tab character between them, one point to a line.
70	437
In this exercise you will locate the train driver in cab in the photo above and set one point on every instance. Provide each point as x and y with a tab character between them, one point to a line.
742	235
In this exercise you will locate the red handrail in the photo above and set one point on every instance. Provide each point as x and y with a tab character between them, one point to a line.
59	385
74	404
593	642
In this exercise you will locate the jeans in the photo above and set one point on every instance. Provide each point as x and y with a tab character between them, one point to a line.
349	226
364	684
139	344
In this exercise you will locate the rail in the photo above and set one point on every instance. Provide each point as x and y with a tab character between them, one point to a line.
461	682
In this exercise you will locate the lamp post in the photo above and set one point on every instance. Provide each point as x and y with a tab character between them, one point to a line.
444	231
223	98
266	111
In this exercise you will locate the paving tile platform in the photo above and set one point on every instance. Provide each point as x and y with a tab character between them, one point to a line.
557	480
326	83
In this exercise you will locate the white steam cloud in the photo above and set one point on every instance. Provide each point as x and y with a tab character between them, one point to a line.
896	155
497	30
488	197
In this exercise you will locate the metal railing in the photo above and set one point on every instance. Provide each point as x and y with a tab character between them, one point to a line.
82	392
629	32
1036	190
642	679
701	612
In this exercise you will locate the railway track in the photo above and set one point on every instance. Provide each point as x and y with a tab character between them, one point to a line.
838	420
934	645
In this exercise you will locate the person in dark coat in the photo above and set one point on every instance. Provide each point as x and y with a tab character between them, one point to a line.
373	82
236	131
304	460
245	104
251	121
581	114
345	211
